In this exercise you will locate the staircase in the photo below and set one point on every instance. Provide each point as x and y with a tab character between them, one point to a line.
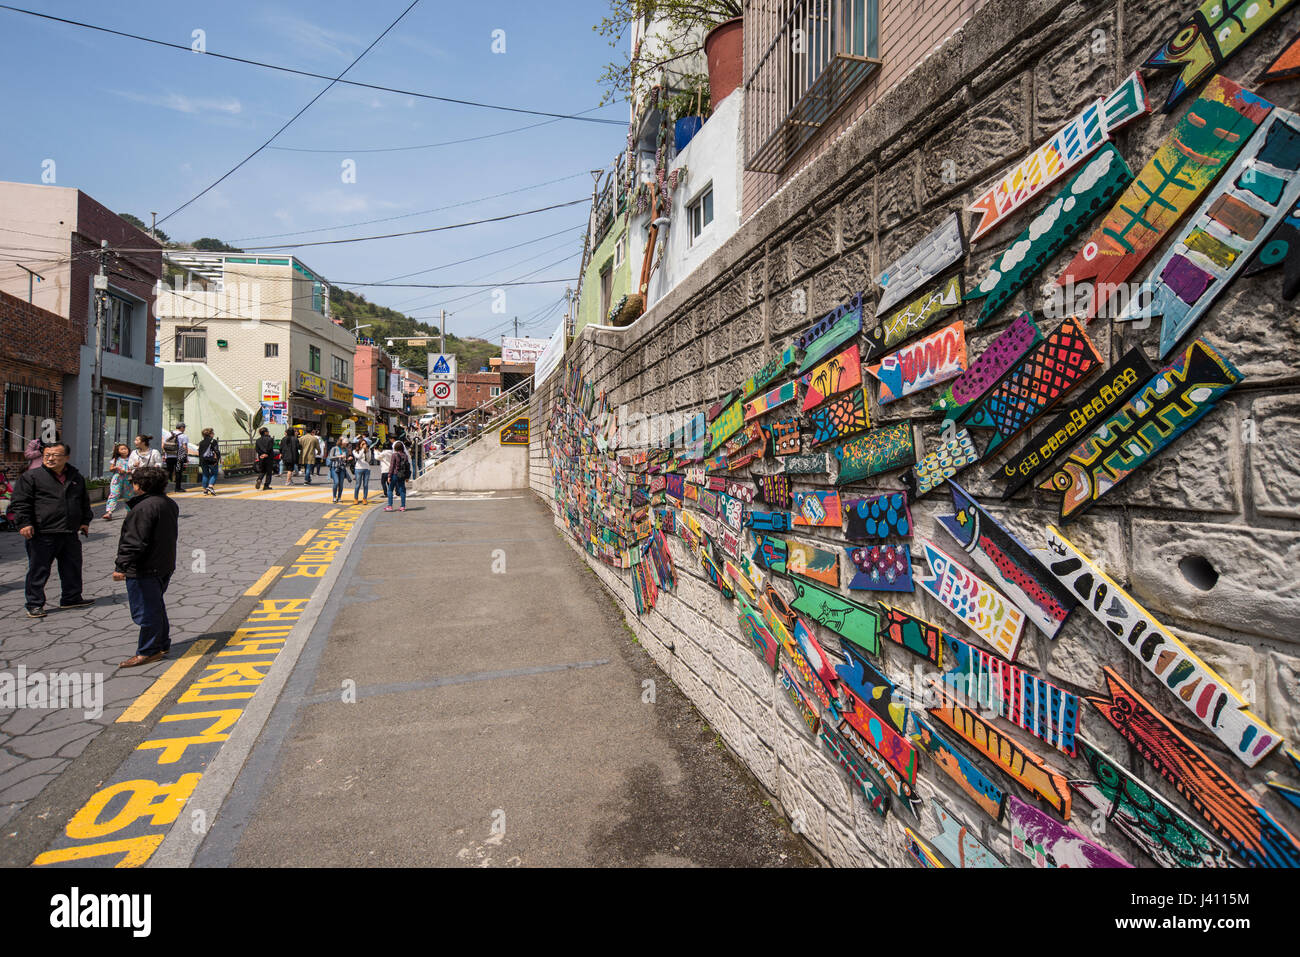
464	431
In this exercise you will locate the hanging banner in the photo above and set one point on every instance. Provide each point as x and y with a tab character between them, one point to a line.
550	357
522	350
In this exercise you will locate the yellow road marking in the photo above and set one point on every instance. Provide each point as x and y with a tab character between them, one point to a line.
332	512
261	584
308	535
140	708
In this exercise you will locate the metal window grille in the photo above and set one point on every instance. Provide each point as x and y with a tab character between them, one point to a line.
191	345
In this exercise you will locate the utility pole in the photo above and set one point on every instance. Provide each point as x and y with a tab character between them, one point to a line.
516	327
153	226
97	418
442	331
30	273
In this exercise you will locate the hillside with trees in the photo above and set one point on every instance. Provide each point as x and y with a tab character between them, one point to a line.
355	309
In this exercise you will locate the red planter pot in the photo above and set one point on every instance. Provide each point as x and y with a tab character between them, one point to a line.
725	48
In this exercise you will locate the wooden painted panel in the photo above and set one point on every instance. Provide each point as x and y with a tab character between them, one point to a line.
957	842
847	619
1048	843
727	424
815	656
756	631
785	392
874	452
1164	833
786	437
770	370
1179	396
830	332
1007	691
1035	384
1256	193
774	490
841	416
768	521
856	768
872	687
974	601
1235	818
813	463
1200	44
1065	150
731	510
741	490
880	568
771	553
973	782
808	561
1102	399
883	516
1101	180
897	750
721	405
917	635
1025	767
740	442
894	782
920	851
818	508
940	465
695	475
1287	791
1285	67
1001	355
925	363
708	500
803	668
717	578
805	708
832	377
929	258
1196	150
1215	703
780	606
912	319
674	484
1013	568
1281	249
738	579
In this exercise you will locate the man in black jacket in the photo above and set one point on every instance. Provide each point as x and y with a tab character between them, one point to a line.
51	505
265	447
146	559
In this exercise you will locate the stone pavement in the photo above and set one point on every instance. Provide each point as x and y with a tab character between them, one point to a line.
470	696
225	544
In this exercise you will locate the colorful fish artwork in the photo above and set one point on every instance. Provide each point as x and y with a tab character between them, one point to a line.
1162	832
770	553
884	516
770	370
1281	249
856	768
847	619
1035	384
1021	764
1196	150
805	665
922	364
810	463
786	437
843	415
1234	816
818	508
1256	193
1288	791
1285	67
1014	569
917	635
894	782
973	782
1071	145
715	575
785	392
920	851
958	843
897	750
876	451
738	578
751	623
768	521
1008	691
929	258
1102	399
1215	703
974	601
775	490
832	377
880	568
872	687
912	319
815	656
805	708
1001	355
1100	181
727	424
732	511
1049	843
830	332
740	490
940	465
1208	37
1174	400
808	561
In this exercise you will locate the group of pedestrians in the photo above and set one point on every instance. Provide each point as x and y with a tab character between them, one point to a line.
349	461
51	507
305	451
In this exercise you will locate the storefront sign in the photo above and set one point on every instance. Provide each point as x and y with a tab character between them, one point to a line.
308	382
341	393
522	350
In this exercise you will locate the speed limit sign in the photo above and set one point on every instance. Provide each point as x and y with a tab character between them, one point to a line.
442	390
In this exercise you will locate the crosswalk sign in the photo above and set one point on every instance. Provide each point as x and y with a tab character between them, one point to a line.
442	380
440	367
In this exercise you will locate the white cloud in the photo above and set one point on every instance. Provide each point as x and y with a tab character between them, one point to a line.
347	201
180	103
312	38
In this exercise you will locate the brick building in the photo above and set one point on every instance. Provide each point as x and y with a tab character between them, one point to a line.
38	348
473	389
373	385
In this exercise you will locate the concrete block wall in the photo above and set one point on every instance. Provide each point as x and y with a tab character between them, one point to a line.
1227	492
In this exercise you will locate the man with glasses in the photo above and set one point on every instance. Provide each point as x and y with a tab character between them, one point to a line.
51	506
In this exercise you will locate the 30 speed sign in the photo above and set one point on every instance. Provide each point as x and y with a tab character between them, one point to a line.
442	390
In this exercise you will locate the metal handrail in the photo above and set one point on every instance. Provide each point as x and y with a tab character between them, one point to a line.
479	421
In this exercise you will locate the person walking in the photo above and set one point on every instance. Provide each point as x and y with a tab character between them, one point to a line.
51	506
308	449
385	460
399	471
264	449
34	454
171	448
289	456
323	444
362	462
119	481
209	460
182	455
146	559
338	464
143	455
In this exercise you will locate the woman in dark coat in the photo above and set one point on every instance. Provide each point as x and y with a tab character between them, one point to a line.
289	455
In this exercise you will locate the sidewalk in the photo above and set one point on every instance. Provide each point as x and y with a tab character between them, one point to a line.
499	718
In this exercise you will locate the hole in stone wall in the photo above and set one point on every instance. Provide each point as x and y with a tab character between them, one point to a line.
1199	572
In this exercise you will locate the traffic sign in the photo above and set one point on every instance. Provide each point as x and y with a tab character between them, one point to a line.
442	390
442	380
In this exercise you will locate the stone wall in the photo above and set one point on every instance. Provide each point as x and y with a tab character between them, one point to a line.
1227	492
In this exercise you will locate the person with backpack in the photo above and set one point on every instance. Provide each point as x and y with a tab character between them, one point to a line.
209	458
364	458
264	449
337	460
385	462
289	455
399	472
175	449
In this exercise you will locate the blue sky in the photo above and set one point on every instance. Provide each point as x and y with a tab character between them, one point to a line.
142	128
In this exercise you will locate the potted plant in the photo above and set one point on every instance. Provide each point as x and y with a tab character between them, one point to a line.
689	111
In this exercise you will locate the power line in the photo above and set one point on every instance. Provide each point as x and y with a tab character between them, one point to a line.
425	146
328	87
453	285
318	76
503	249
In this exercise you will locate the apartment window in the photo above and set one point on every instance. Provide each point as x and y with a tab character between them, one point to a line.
272	350
700	213
606	291
25	412
805	59
313	359
117	328
341	367
620	250
382	381
192	344
494	391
